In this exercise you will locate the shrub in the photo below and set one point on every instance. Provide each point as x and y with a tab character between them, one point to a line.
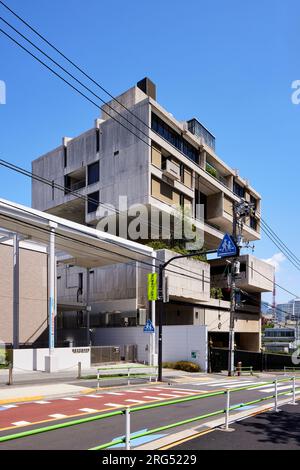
186	366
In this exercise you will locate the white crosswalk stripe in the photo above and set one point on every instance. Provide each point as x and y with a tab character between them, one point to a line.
272	388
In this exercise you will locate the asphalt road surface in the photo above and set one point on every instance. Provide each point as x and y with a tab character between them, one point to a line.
266	431
27	416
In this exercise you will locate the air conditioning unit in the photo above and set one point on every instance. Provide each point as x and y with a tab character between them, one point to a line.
172	170
142	313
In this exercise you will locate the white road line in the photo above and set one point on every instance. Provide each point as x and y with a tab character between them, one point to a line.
169	395
152	398
9	406
224	383
88	410
42	402
133	391
182	393
114	393
70	399
58	416
246	384
272	389
94	396
113	404
21	423
178	389
135	401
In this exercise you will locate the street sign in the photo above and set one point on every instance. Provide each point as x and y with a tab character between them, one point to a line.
149	328
227	247
152	286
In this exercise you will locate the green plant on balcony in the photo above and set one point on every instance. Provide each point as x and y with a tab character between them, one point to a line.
211	170
216	293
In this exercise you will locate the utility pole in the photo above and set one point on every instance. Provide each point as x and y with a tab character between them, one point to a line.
161	301
234	264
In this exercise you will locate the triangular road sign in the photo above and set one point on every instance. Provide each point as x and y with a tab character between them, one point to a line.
149	328
227	247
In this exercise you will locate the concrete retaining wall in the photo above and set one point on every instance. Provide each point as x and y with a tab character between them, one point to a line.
65	358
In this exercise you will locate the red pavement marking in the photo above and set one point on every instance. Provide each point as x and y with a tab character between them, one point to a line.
35	412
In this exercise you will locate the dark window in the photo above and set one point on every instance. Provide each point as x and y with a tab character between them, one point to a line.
253	201
238	189
65	156
175	139
52	184
116	153
93	202
93	173
97	140
253	223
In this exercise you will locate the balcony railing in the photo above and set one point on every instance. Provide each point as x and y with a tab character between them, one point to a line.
215	173
74	186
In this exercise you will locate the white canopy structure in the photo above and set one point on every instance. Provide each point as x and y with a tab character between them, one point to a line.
68	242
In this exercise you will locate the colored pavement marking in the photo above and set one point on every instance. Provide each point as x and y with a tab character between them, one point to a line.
21	423
10	406
135	401
114	393
42	402
58	416
88	410
70	399
133	391
94	396
139	441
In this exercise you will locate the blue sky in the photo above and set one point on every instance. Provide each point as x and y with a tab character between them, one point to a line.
230	64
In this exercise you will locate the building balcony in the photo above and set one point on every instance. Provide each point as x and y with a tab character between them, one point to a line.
186	279
255	275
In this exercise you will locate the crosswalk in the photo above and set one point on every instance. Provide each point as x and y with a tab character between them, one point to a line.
262	387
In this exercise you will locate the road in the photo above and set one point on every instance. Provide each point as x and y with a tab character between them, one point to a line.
27	416
266	431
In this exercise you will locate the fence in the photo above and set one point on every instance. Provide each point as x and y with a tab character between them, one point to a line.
128	411
129	372
260	361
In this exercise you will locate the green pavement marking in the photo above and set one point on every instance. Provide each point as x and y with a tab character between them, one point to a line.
58	426
162	428
147	407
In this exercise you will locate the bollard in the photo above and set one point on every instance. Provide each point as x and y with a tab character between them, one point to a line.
251	370
276	396
98	379
127	428
128	376
79	370
239	368
10	374
227	413
294	392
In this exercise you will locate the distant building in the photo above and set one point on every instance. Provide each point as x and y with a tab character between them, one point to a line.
279	339
288	311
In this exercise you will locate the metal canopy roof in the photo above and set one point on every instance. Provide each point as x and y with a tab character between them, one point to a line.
80	245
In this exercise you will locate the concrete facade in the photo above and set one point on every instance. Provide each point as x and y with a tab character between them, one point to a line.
33	298
167	164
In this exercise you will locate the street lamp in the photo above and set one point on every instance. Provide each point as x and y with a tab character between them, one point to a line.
161	269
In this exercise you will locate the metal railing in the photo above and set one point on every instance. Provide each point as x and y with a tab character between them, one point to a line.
289	370
128	438
129	372
242	370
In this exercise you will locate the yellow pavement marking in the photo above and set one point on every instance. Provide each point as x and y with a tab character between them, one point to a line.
21	399
186	439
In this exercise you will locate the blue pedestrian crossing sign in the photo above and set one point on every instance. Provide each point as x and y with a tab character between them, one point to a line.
149	328
227	247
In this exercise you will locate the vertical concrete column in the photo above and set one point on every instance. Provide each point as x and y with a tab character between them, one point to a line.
16	291
153	354
52	290
88	307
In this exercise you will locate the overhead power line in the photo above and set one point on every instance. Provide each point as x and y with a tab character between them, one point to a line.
266	229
